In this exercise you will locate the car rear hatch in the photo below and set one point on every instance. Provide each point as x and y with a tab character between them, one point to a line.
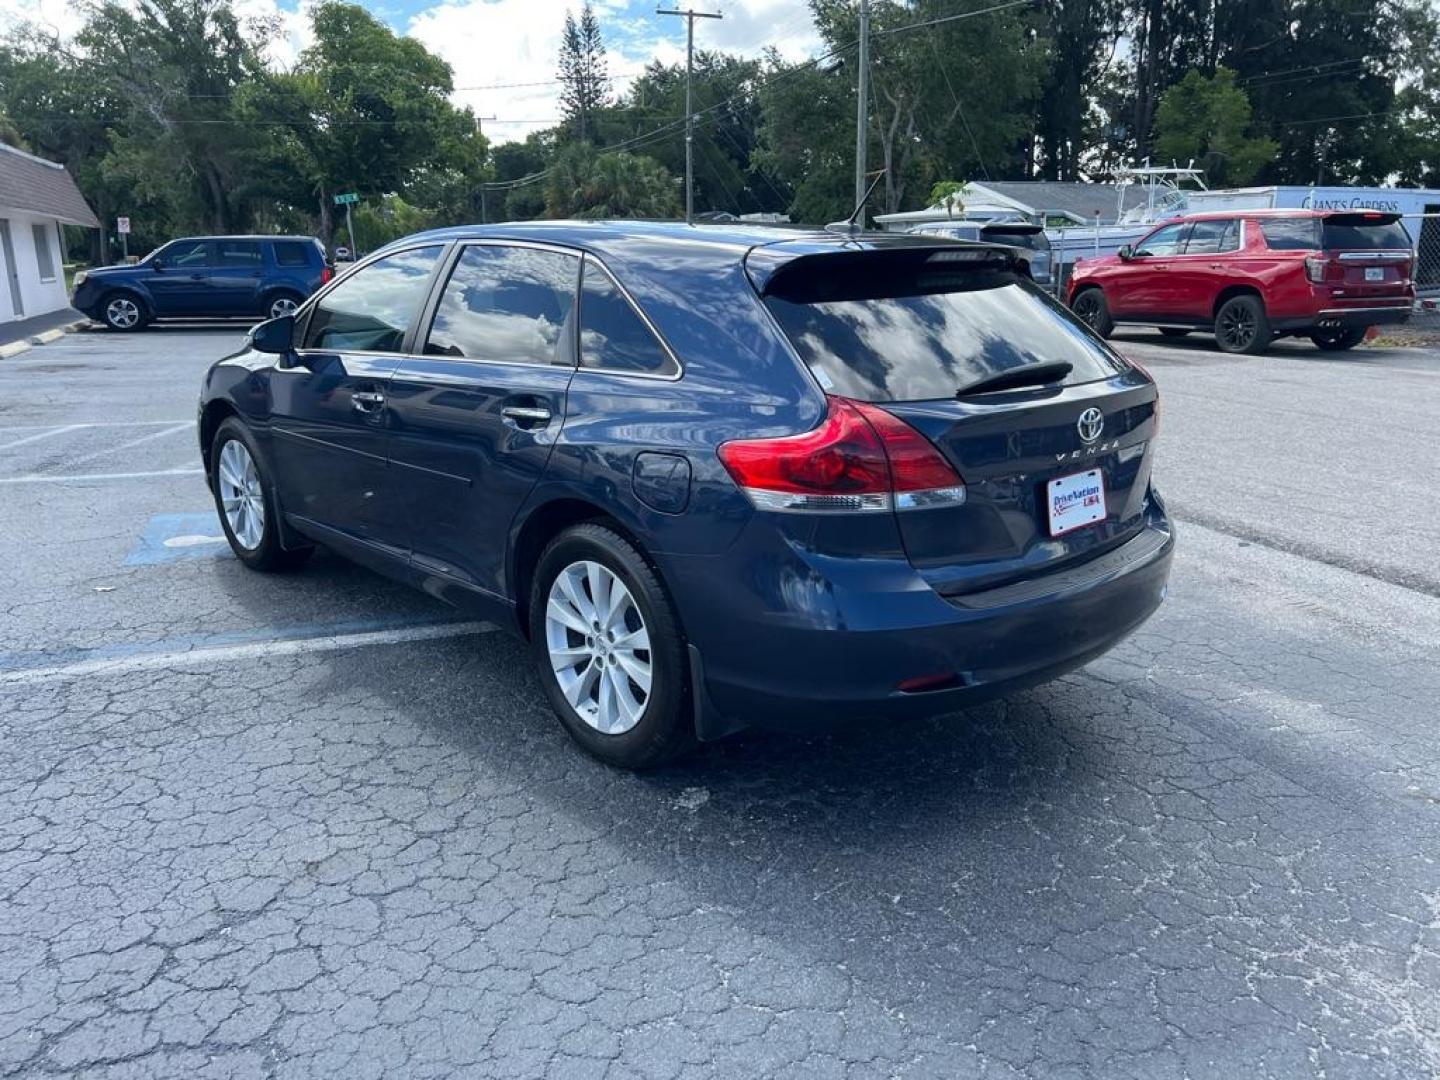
1364	256
931	335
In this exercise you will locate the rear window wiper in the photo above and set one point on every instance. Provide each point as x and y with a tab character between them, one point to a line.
1029	375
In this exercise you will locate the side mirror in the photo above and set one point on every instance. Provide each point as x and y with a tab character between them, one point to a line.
274	336
1126	253
157	264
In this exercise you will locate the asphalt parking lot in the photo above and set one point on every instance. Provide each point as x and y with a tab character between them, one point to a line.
312	825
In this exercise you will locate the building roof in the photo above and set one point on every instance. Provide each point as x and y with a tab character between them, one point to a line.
41	187
1084	200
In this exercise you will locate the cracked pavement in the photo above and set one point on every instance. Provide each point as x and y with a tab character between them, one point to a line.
1211	853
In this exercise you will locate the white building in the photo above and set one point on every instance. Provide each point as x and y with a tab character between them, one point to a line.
36	197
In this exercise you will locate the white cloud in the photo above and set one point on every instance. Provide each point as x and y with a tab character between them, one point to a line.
490	42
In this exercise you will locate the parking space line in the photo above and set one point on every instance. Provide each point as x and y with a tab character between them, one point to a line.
41	435
93	424
258	650
45	478
186	426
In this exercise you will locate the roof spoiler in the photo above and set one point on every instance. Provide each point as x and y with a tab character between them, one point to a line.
775	269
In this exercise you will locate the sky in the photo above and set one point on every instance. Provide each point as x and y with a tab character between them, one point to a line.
494	44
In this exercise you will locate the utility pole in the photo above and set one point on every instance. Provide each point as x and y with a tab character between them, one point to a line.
480	130
690	17
862	111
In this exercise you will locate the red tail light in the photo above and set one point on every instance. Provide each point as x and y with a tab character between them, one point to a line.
859	458
1315	267
326	273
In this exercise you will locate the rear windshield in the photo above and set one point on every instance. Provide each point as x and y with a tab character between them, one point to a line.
916	333
1357	234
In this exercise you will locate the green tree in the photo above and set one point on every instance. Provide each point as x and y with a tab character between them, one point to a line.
1207	119
584	86
806	137
727	176
363	111
586	184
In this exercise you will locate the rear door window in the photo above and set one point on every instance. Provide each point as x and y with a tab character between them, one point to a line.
510	305
898	329
1346	232
372	308
1213	237
1290	234
239	254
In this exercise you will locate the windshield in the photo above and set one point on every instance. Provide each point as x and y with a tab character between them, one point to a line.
923	335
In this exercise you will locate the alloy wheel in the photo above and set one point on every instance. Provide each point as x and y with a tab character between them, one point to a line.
122	313
281	306
241	495
1087	307
599	647
1237	326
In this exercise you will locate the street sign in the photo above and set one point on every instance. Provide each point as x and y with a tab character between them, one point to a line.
347	199
122	225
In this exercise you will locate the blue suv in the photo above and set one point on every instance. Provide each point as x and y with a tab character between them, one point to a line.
206	276
716	476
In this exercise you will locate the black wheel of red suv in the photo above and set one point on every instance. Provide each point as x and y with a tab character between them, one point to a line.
1340	339
1241	326
609	649
1089	304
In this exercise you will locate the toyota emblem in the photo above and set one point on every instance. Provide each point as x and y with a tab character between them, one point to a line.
1090	424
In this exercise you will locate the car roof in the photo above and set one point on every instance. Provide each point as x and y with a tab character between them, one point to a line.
1277	212
246	236
621	243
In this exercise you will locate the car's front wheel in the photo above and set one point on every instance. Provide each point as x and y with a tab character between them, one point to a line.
245	500
1089	304
1241	326
123	311
609	649
1340	339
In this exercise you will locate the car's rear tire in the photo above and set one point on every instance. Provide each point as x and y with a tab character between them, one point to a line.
1339	340
279	304
1090	305
1241	326
123	311
613	664
245	501
1173	331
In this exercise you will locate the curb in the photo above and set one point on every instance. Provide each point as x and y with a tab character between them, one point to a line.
15	348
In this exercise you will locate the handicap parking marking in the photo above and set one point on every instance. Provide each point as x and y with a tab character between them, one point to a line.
172	537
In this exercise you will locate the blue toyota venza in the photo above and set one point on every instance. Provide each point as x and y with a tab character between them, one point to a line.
717	477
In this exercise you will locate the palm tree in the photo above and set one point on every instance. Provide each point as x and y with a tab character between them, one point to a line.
584	184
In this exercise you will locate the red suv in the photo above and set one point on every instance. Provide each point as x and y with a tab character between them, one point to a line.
1251	276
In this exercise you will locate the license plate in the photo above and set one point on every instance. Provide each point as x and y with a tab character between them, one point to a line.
1374	273
1075	501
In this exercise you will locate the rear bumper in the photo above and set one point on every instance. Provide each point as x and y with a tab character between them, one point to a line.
1378	314
834	655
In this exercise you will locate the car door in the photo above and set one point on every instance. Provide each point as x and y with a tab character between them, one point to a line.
179	278
235	278
1203	268
1141	287
475	416
328	407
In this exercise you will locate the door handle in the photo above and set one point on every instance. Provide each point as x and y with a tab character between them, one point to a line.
366	401
526	415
